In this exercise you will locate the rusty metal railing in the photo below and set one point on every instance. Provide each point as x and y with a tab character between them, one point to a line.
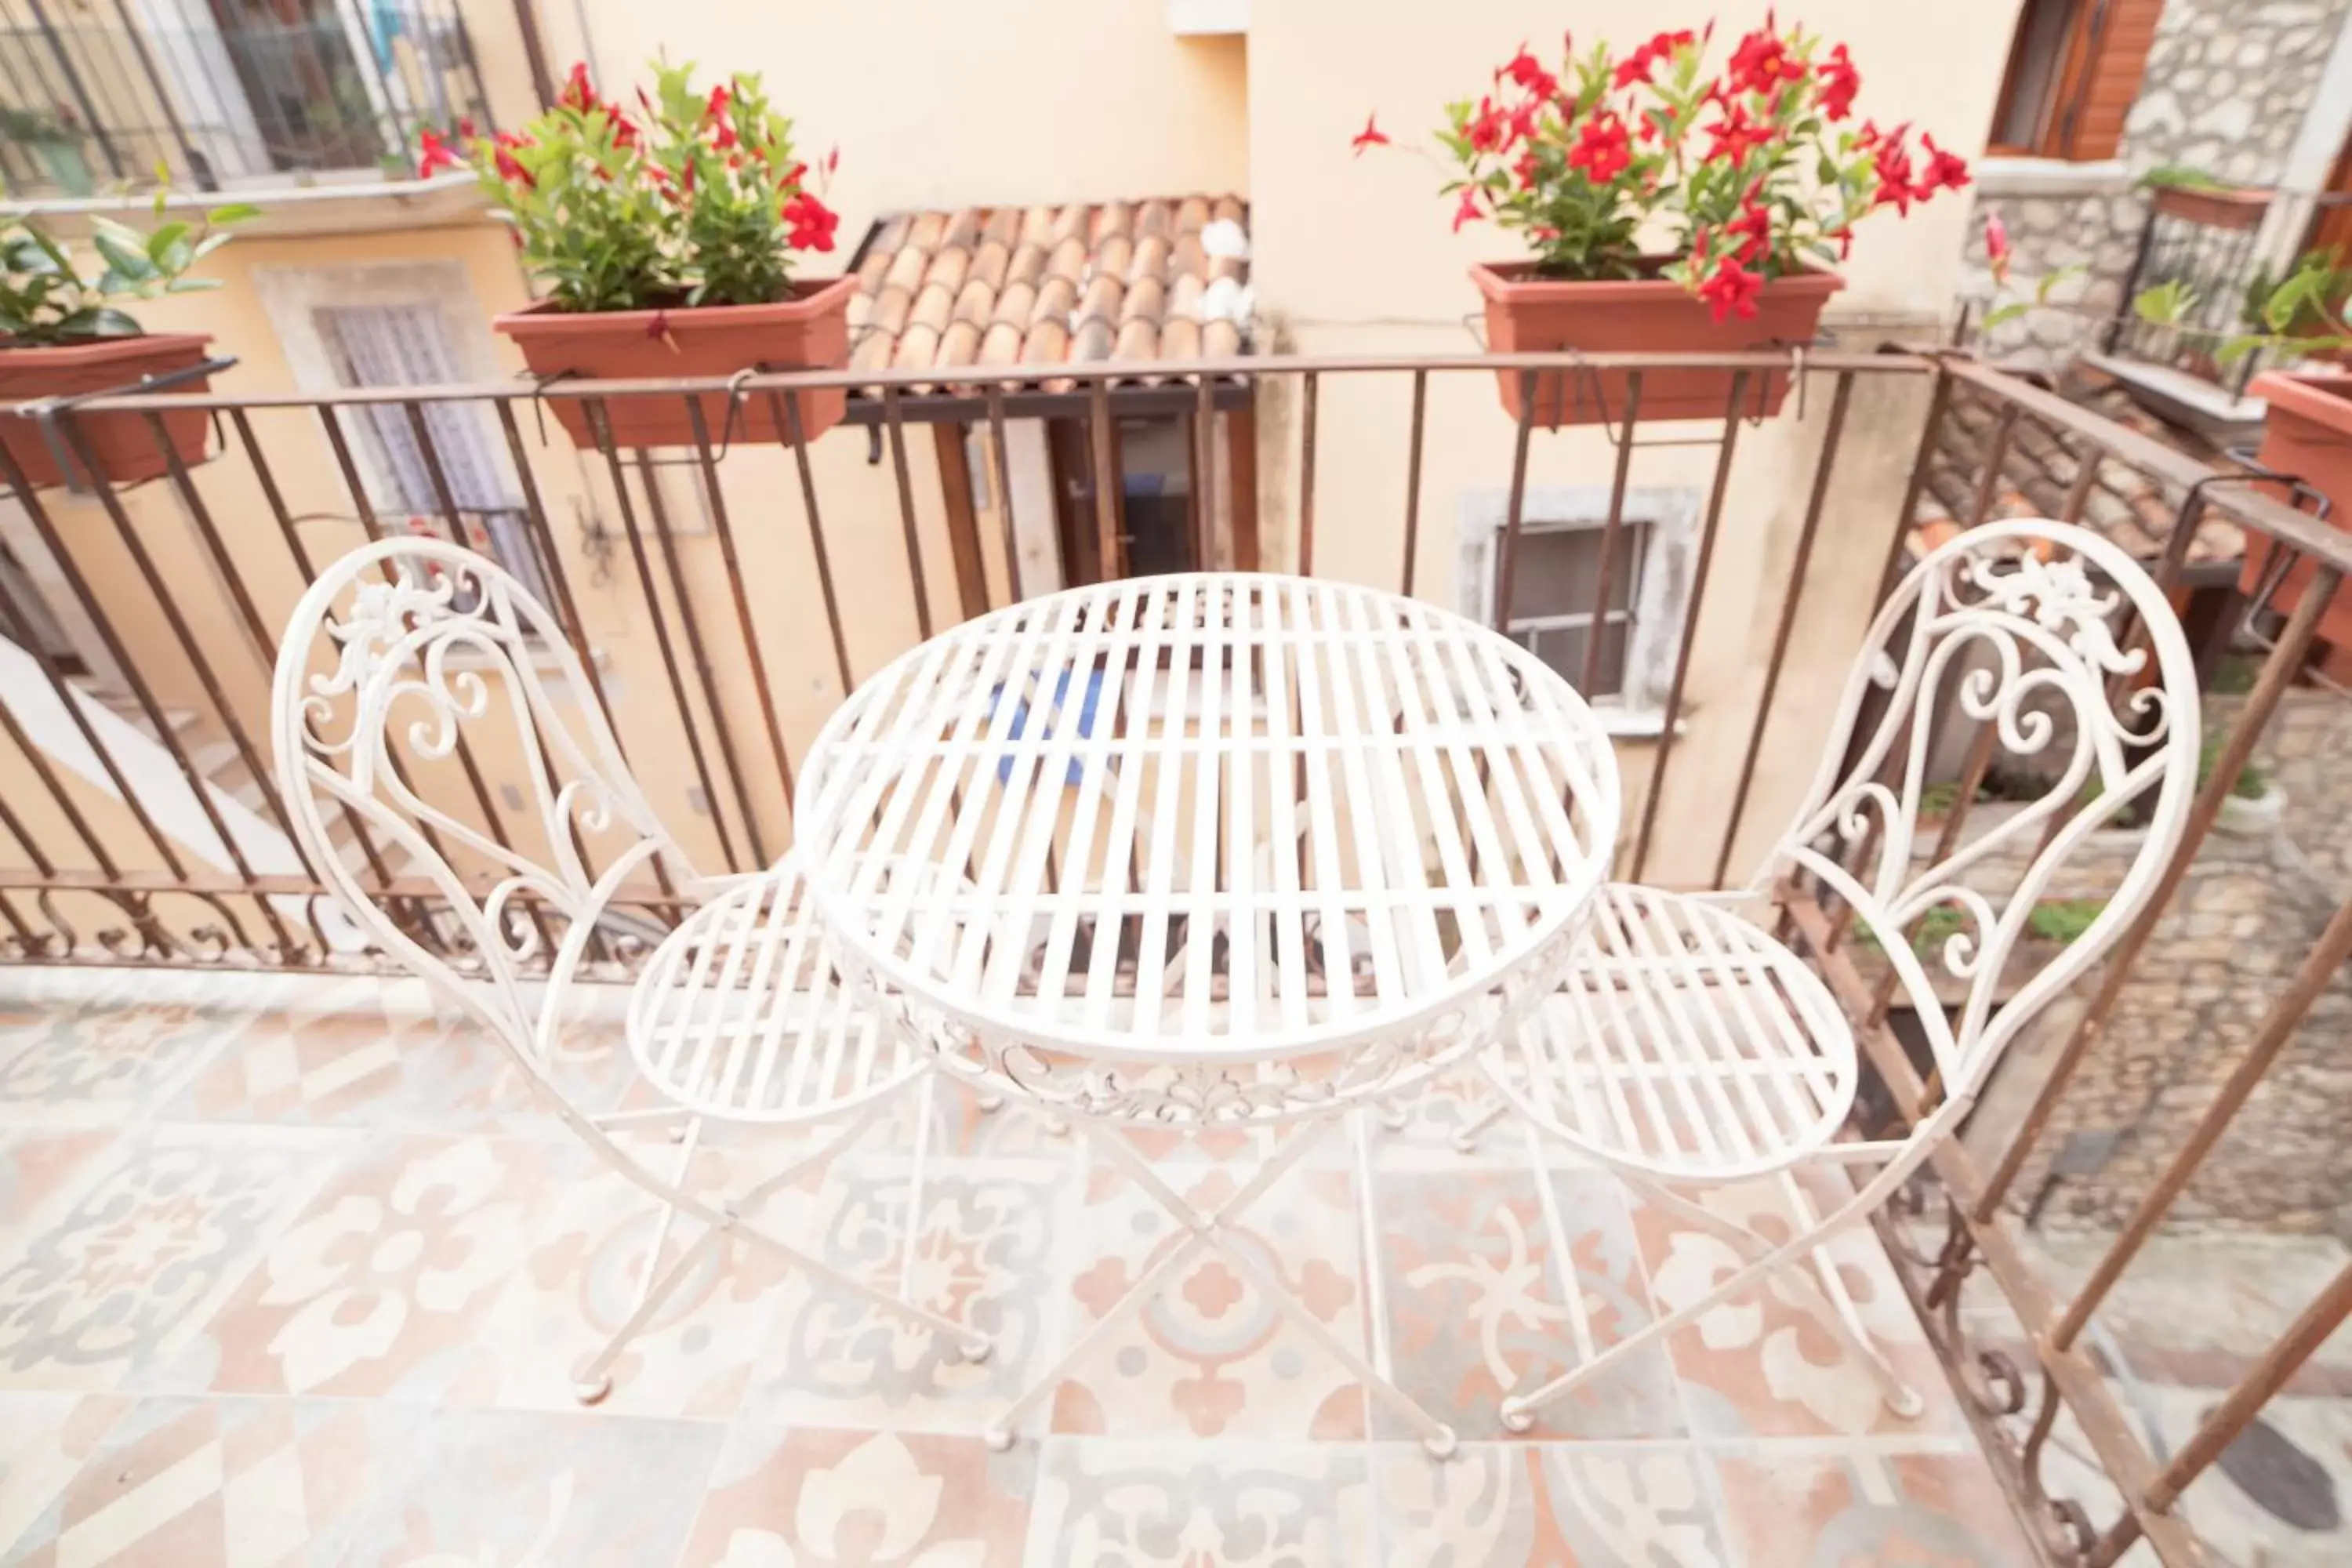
721	595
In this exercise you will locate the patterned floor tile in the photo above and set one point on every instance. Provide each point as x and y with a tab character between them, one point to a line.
986	1258
1870	1510
585	1248
1761	1364
223	1483
503	1489
814	1496
1477	1305
37	1165
376	1286
1209	1354
1591	1505
1142	1504
168	1223
93	1063
45	1438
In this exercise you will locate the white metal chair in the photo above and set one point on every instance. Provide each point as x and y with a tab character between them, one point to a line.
437	660
1689	1050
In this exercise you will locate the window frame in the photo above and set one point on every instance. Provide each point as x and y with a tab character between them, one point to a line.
1661	599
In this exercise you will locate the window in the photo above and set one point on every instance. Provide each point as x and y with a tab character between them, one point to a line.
407	345
1556	607
2074	67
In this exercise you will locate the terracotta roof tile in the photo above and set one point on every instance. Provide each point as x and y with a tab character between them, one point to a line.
990	263
1120	280
2039	471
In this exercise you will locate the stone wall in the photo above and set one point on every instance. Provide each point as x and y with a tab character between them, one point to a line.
2251	908
2227	86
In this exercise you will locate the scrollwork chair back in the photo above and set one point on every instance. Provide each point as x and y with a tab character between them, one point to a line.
410	656
2014	630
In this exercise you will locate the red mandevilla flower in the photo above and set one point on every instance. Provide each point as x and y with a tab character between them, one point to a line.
716	109
1763	62
1468	211
1603	149
1840	81
1731	288
1735	135
1997	247
1946	171
577	94
1489	130
433	154
1524	69
810	223
1372	135
1644	61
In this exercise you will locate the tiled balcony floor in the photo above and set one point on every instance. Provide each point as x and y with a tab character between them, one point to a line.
292	1272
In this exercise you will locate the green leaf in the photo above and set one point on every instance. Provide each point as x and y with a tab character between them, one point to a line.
2238	348
2051	279
232	212
165	237
2166	304
2003	315
99	321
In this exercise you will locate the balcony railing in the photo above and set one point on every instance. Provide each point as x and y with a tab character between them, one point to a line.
725	596
99	96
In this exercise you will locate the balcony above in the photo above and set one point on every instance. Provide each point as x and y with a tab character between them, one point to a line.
302	96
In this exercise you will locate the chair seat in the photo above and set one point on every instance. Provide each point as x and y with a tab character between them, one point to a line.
1684	1044
742	1012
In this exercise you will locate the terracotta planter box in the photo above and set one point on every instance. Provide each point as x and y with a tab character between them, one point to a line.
808	331
1525	314
2225	206
2308	434
122	445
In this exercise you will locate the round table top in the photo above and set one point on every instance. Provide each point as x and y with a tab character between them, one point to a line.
1213	817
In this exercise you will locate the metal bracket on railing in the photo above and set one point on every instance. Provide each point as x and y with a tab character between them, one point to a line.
44	413
736	397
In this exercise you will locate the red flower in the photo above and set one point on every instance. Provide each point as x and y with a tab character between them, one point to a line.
1468	211
1642	62
1735	135
577	94
1524	69
726	137
1526	169
433	154
1840	81
716	109
1946	170
1997	247
1732	287
1490	131
1755	224
1372	135
833	159
1892	162
810	223
791	176
1762	62
1603	149
510	170
1844	236
466	127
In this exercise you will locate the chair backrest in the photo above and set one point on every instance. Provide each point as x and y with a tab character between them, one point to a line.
429	708
2010	642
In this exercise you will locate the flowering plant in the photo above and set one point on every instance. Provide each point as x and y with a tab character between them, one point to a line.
1754	171
695	200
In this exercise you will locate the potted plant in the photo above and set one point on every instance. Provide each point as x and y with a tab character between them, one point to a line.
666	247
2195	197
1753	176
63	333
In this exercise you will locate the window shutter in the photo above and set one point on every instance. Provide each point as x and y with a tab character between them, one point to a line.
2103	77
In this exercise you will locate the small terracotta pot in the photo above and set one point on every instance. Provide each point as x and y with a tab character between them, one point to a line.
808	331
122	445
2309	435
1525	314
2224	207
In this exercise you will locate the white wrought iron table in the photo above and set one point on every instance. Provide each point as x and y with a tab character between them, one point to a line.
1211	851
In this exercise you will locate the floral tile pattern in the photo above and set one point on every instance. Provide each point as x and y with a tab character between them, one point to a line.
1760	1365
822	1496
305	1283
173	1220
1478	1303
